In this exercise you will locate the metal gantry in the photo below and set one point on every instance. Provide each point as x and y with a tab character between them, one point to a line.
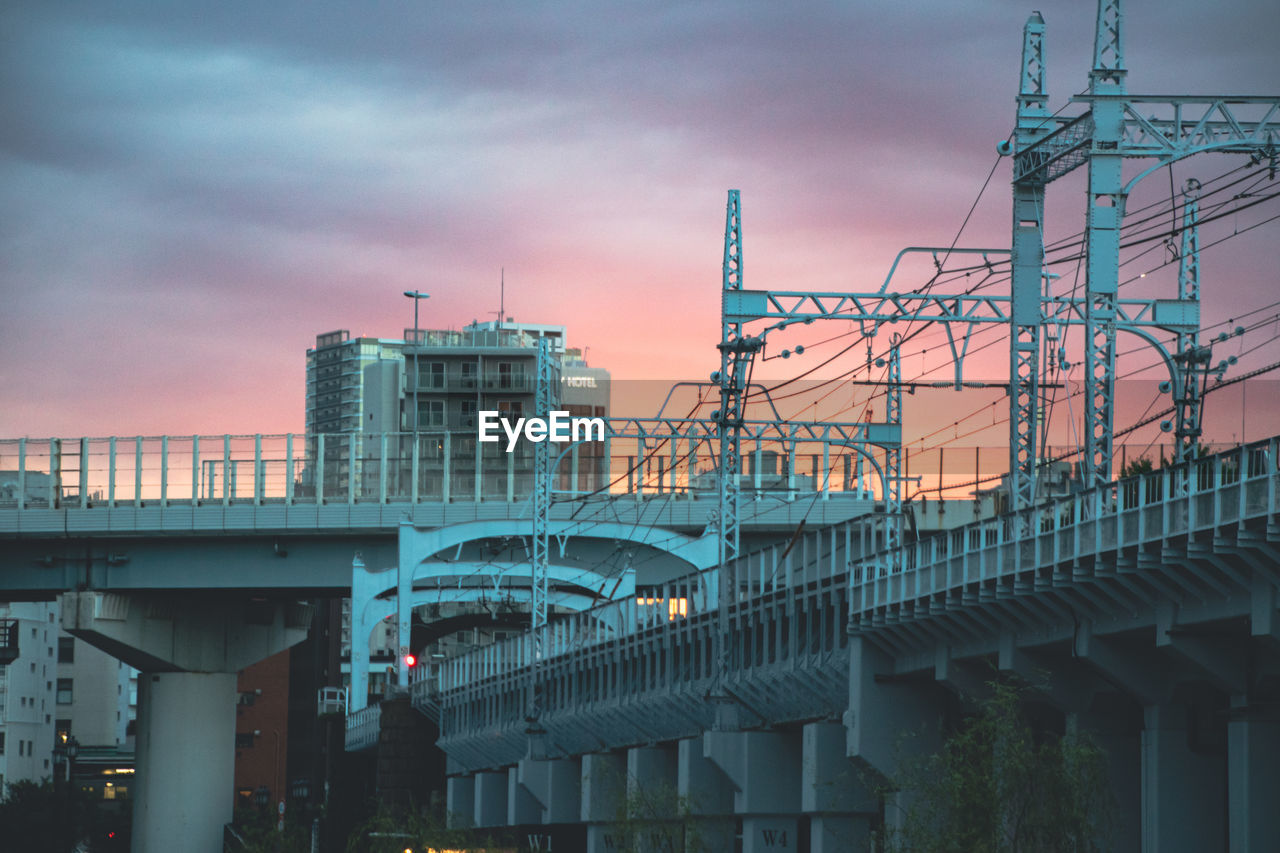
1116	126
545	395
1190	358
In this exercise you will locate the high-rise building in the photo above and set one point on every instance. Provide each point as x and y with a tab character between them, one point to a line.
413	404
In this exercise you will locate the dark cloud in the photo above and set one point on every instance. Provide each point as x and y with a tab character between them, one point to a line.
200	188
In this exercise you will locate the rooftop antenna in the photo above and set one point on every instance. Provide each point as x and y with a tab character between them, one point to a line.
502	297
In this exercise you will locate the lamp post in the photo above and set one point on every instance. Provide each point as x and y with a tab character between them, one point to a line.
417	296
73	750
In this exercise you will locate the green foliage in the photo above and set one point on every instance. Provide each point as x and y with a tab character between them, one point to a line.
257	830
35	818
1141	465
655	818
394	830
998	787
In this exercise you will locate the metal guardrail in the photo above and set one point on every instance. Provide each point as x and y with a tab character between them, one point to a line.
1225	488
363	727
655	457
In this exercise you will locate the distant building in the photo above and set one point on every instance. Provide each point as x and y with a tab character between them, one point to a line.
59	688
429	387
27	694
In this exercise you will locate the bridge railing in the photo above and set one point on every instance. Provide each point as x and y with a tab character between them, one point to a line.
1222	489
813	560
371	468
1209	492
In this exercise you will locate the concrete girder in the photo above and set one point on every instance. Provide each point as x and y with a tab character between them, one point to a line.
1221	668
1068	688
157	633
189	652
957	676
1131	671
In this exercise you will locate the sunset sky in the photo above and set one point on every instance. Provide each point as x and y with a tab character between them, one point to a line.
191	192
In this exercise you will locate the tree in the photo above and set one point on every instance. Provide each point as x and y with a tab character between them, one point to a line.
998	786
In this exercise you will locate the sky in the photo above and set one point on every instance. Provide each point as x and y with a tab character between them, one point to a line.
190	193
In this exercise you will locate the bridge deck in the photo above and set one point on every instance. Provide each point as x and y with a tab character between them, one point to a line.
637	671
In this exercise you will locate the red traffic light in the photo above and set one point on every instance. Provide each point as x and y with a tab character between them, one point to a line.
409	661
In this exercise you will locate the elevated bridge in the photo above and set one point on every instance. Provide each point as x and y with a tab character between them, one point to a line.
1144	611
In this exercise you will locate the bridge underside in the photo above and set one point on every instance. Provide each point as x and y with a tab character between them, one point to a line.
1148	619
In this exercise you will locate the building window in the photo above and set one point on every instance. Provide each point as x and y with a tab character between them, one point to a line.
510	409
435	374
1	743
431	413
468	374
62	731
64	691
506	375
66	650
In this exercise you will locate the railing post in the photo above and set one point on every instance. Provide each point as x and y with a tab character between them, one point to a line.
84	472
137	471
164	471
511	478
22	473
382	471
195	470
320	469
55	472
258	485
226	469
351	468
111	471
288	470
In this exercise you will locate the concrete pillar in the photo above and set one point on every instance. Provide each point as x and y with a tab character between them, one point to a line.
404	740
653	804
1182	788
522	808
189	652
490	798
460	801
882	710
707	793
557	786
604	785
1116	729
185	761
833	791
1253	777
764	768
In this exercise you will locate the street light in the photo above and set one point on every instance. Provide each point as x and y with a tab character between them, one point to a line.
417	296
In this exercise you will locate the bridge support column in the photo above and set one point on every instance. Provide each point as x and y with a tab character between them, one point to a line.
460	801
653	806
764	767
1116	729
557	786
833	792
604	785
881	710
1182	787
490	798
188	653
707	793
185	760
1253	777
522	807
